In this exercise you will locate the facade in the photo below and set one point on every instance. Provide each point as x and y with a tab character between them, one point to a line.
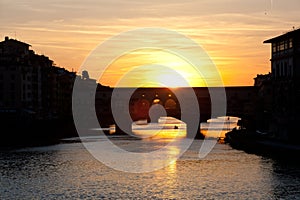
21	77
30	86
285	68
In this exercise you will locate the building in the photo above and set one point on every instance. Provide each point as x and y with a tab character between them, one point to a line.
22	78
30	85
60	88
264	101
285	68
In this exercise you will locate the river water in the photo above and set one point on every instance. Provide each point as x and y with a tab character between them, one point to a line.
68	171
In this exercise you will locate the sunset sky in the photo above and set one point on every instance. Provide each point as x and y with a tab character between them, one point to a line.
230	31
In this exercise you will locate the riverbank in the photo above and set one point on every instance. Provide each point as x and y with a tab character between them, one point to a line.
20	133
252	142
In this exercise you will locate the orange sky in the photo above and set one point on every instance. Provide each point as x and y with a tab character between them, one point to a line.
231	31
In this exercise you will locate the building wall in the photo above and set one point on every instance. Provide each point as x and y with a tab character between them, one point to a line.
285	66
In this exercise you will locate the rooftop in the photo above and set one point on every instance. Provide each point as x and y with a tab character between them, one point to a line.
287	35
7	39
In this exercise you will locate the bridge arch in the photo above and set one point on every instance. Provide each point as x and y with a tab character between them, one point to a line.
157	101
140	109
170	104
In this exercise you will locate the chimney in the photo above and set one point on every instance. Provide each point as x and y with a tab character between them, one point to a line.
6	38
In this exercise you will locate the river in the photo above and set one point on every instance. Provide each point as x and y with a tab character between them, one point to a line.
68	171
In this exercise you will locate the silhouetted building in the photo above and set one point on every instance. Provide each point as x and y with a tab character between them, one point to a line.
263	103
30	86
285	67
103	105
60	92
22	78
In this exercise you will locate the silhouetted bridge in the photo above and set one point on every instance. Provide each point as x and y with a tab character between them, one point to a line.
240	102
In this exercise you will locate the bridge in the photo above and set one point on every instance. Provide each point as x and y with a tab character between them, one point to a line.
239	103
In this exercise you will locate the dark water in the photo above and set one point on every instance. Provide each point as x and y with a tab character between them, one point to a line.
68	171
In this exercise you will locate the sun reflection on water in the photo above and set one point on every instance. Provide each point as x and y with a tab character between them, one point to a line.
167	127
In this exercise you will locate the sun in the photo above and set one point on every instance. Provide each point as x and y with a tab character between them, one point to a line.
151	68
171	80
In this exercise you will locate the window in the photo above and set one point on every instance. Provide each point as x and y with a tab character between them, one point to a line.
274	47
281	46
291	43
286	45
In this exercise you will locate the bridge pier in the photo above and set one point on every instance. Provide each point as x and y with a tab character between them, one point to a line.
124	130
191	132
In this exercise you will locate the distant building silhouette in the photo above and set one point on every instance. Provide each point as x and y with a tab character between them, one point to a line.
264	100
85	75
23	78
31	86
36	96
285	68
